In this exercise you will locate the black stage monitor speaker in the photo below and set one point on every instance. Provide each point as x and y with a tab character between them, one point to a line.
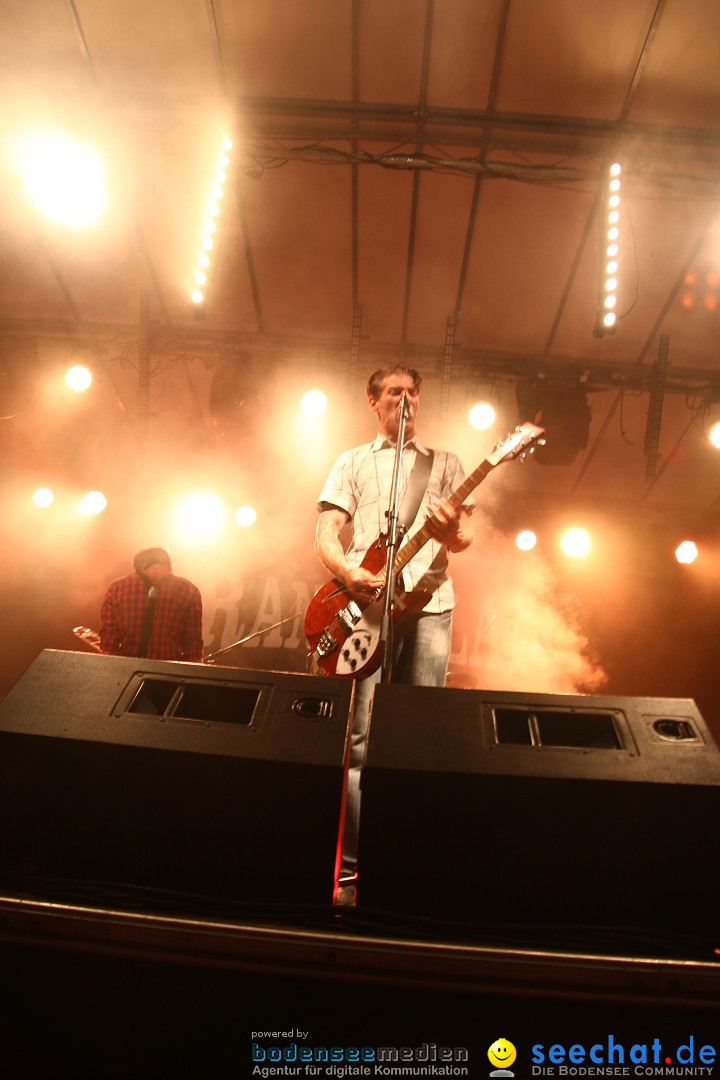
150	776
541	809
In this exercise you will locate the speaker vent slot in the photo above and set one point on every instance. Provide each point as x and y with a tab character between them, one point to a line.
195	701
569	729
588	731
512	727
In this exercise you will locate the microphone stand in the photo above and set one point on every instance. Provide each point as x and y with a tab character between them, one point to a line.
394	537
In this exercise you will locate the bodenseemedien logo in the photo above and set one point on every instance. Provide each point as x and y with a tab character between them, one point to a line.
502	1054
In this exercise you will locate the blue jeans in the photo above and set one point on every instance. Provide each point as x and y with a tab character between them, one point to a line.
422	648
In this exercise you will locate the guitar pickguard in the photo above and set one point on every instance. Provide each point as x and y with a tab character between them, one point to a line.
357	653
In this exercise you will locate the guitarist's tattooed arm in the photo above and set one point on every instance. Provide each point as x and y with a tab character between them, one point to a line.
362	584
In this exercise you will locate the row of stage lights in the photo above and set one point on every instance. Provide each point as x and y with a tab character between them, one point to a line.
576	543
606	318
208	226
202	515
481	415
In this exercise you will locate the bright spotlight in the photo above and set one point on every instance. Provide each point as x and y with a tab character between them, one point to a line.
576	543
714	435
200	516
43	497
526	540
78	378
245	516
92	503
314	403
64	178
482	416
686	552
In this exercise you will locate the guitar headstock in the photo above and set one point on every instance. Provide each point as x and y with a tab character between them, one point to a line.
522	440
88	637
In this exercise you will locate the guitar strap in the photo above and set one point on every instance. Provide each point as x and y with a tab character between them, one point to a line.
148	620
417	485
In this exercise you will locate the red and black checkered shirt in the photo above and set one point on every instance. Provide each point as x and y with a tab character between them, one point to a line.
177	621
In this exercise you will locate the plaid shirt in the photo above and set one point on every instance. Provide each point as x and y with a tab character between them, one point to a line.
359	483
176	626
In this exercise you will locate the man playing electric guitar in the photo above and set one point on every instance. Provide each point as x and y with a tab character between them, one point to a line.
358	490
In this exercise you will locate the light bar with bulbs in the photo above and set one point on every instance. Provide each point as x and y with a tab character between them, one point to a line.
606	317
208	228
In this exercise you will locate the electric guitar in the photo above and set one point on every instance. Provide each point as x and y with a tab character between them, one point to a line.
344	634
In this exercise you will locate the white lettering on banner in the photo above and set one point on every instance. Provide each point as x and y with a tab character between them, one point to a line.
258	605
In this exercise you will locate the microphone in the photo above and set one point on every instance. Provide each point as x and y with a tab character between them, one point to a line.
405	409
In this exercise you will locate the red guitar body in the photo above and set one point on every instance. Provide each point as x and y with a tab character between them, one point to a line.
349	629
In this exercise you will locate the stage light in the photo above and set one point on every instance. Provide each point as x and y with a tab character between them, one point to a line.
209	224
314	403
575	543
92	503
608	286
78	378
714	435
526	540
245	516
43	497
482	416
686	552
199	516
64	178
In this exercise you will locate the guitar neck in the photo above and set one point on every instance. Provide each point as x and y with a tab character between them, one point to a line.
458	497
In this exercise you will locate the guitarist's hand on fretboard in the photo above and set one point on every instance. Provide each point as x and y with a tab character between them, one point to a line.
451	527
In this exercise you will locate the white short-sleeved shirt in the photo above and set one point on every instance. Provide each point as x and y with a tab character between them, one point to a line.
359	483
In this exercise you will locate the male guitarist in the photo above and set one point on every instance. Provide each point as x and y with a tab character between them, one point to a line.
358	490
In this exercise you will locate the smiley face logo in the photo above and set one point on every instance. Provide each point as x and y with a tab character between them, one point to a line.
502	1053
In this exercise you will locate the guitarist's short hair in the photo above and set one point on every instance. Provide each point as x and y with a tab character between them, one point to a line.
377	379
149	556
